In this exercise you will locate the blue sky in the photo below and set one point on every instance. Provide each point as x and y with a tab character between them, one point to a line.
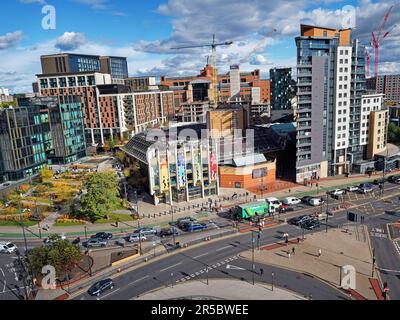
144	32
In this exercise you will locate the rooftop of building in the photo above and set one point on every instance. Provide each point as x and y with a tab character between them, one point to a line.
78	55
47	75
392	150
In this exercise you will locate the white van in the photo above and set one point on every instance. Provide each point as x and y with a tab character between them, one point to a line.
7	247
315	202
274	203
291	200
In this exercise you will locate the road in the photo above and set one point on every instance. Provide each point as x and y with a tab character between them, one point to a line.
190	262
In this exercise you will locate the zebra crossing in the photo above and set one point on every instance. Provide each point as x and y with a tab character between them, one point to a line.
397	246
204	270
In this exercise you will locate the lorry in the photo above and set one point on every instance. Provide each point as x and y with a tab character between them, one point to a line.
253	209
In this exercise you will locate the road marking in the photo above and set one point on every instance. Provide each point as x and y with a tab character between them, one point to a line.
15	289
202	255
171	267
197	273
223	248
201	271
192	275
5	282
187	278
138	280
214	266
218	264
109	294
397	246
232	267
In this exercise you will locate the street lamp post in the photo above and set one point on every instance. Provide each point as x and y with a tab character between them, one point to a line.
22	226
172	279
85	232
327	212
173	227
272	278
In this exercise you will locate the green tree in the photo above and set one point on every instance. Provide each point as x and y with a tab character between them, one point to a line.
393	133
46	174
61	254
111	143
102	194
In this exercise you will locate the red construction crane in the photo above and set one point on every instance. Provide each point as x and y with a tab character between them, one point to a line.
377	39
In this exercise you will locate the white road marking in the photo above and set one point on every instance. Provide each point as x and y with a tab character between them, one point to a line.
5	282
192	275
138	280
201	271
170	267
109	294
202	255
223	248
197	273
12	290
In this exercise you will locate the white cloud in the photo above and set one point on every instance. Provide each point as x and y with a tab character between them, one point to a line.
95	4
43	2
70	41
10	40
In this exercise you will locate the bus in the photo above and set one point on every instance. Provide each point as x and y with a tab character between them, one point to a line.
249	210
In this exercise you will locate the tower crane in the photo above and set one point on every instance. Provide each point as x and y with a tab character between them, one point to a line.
378	38
212	60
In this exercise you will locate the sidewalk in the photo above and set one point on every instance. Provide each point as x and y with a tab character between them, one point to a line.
220	289
338	248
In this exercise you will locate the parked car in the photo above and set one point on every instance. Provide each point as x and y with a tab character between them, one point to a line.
121	242
195	227
337	192
99	287
95	242
365	188
312	224
168	232
103	235
299	220
145	231
291	201
306	199
316	202
135	237
352	188
393	178
7	247
379	181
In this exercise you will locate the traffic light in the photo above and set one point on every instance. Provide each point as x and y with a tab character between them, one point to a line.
351	216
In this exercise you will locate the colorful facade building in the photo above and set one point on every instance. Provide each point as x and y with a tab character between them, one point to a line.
178	169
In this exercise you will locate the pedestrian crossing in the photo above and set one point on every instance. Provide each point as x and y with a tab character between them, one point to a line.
397	246
204	270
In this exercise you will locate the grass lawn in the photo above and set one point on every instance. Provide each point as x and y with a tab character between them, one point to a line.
15	223
114	216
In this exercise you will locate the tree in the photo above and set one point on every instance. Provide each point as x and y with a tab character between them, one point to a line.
393	133
61	254
46	174
120	156
111	143
102	194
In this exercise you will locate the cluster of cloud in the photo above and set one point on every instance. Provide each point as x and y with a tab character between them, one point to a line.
249	24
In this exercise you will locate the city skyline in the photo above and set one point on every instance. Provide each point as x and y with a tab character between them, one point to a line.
149	31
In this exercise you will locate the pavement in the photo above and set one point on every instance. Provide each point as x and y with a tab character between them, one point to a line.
339	247
220	289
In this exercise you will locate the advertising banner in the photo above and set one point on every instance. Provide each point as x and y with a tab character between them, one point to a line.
213	166
181	170
164	173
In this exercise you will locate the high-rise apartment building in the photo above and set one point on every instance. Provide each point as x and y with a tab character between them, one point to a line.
281	88
330	106
64	63
5	95
389	85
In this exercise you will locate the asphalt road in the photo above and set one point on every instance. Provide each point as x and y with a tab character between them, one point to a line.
185	265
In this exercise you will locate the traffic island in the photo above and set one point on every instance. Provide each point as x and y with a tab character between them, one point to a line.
219	289
322	255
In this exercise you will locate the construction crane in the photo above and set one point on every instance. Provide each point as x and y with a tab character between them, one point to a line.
261	44
212	60
378	39
213	45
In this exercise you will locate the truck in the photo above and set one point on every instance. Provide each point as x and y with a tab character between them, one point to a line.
249	210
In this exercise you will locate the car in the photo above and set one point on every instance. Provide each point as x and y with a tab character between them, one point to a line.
352	188
145	231
379	181
7	247
299	220
394	179
312	224
337	192
191	227
168	232
291	200
99	287
95	242
316	202
135	237
306	199
121	242
103	235
365	188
